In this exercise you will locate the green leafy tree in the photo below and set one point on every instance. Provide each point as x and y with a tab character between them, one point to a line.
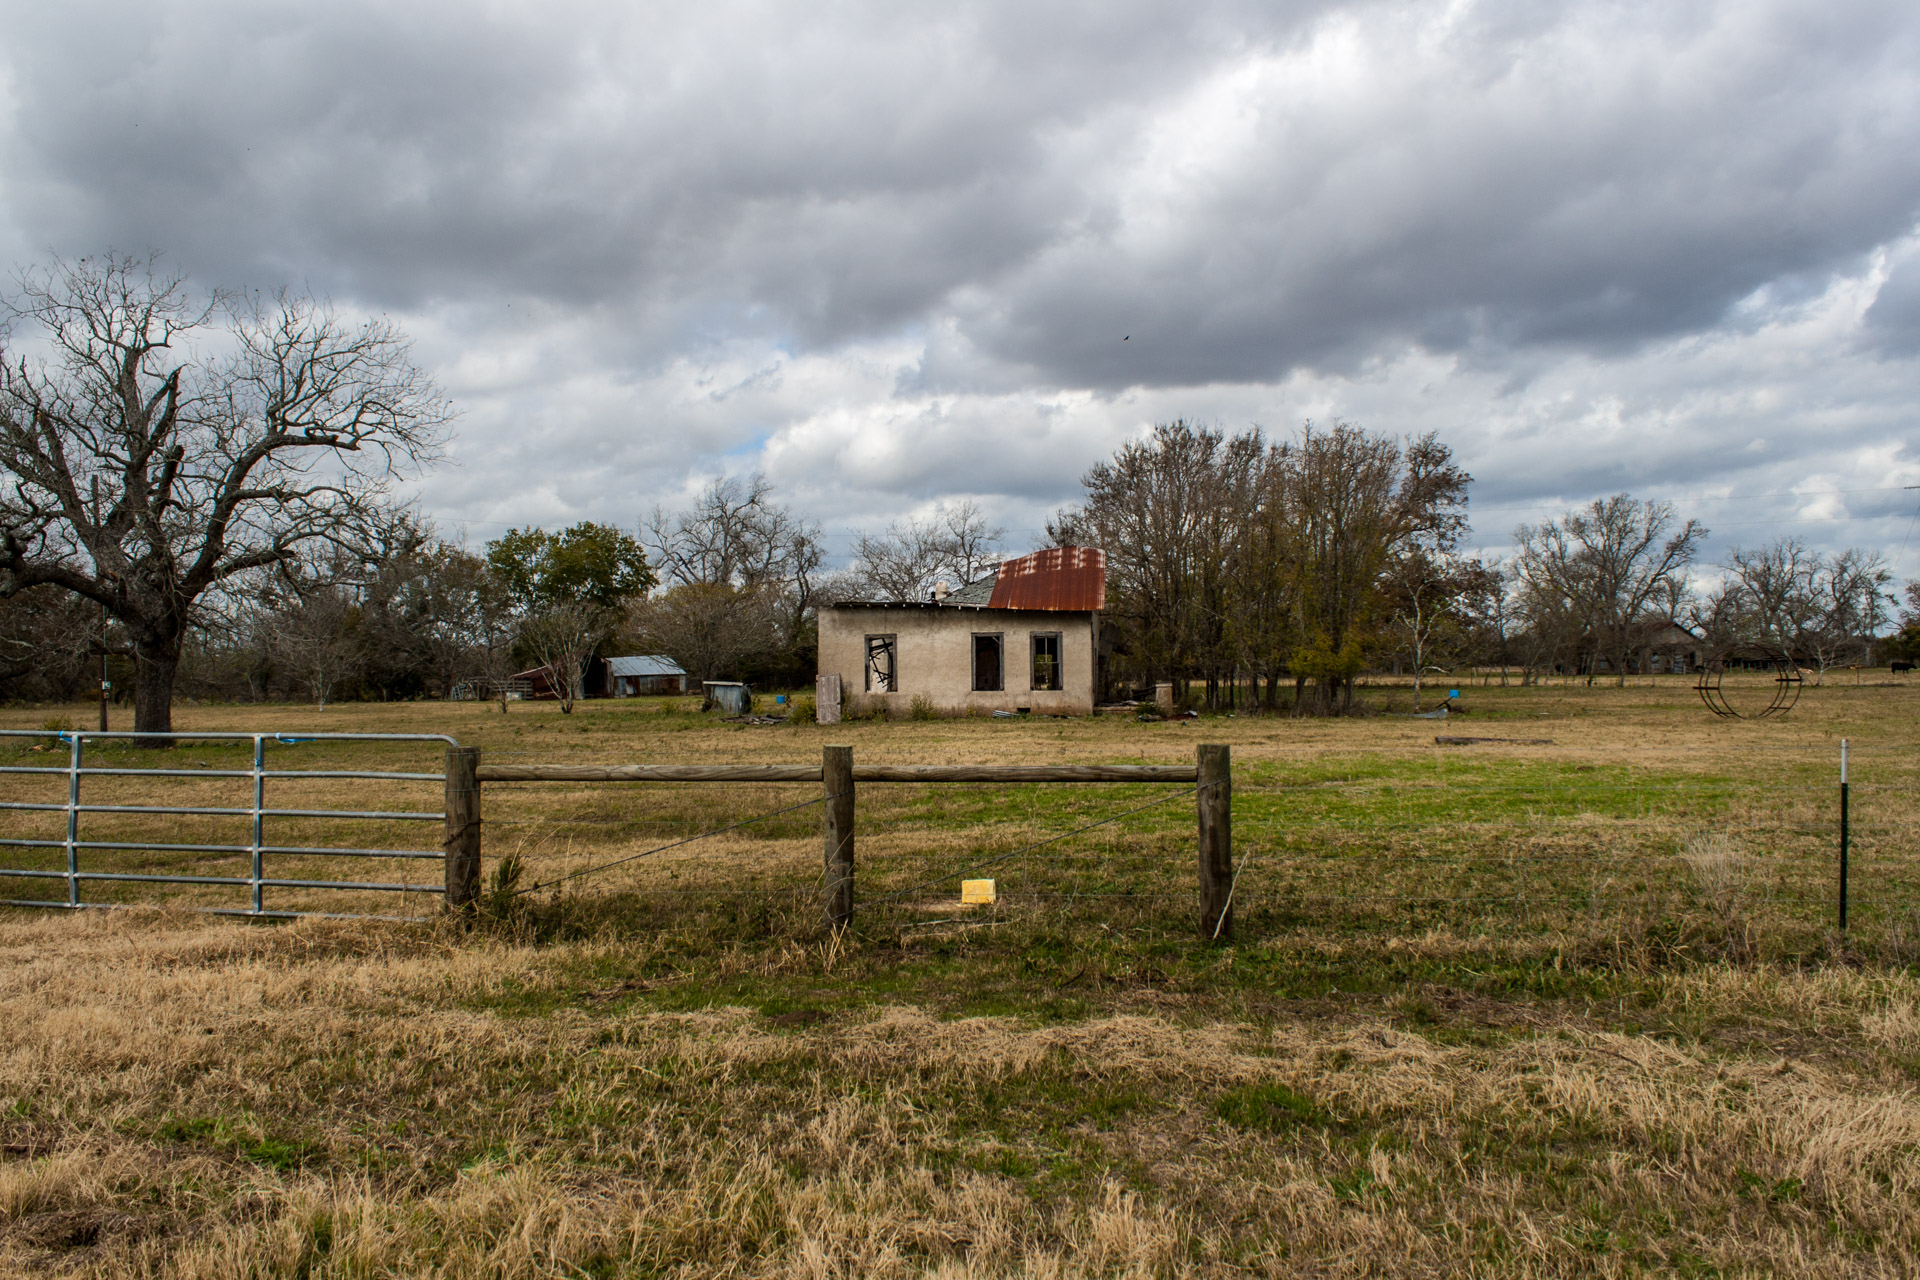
590	563
570	591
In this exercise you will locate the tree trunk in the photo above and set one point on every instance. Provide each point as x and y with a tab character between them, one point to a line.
154	666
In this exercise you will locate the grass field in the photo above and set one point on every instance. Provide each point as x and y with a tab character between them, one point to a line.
1503	1009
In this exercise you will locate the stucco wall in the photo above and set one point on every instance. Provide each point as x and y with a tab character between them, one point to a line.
936	657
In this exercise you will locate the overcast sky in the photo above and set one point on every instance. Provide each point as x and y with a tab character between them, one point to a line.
895	255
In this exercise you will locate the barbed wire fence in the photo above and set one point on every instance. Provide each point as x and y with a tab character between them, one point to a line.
1467	840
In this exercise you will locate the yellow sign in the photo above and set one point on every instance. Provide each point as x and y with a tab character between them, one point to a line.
976	893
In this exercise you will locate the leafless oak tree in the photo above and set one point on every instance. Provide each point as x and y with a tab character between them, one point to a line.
1818	608
709	628
742	575
314	635
562	637
1606	565
156	447
956	545
734	532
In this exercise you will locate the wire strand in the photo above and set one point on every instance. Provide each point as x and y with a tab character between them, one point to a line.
1038	844
635	857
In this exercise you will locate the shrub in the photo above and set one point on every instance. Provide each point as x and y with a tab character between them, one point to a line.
921	708
801	709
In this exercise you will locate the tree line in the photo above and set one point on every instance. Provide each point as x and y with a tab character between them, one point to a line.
1273	573
200	492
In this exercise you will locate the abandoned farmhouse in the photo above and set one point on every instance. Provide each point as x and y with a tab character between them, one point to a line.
1024	638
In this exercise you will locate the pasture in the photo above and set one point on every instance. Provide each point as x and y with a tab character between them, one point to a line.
1502	1009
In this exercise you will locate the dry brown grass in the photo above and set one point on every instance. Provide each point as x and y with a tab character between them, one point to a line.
439	1138
644	1081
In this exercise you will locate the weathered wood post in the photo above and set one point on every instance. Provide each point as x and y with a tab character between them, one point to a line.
836	781
1214	800
463	828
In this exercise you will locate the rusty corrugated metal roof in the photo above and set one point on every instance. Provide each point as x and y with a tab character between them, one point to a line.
1060	579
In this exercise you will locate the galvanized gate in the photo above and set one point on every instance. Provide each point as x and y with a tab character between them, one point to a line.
256	850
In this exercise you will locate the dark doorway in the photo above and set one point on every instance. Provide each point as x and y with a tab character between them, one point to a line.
986	664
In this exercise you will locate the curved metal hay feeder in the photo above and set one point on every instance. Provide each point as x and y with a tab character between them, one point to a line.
1787	680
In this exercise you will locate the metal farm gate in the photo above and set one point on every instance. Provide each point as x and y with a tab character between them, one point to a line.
257	848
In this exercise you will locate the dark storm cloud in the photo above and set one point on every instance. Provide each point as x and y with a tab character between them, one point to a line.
892	252
1597	182
1243	190
820	172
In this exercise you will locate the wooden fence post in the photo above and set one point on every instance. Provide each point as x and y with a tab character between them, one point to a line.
463	827
1214	800
836	780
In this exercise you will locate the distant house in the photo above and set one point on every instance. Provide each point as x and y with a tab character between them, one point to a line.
1663	645
1658	646
652	673
1024	638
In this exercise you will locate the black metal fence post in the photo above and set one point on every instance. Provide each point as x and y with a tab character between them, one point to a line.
1843	833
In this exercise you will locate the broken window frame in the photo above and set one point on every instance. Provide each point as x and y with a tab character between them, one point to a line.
999	641
1055	681
882	660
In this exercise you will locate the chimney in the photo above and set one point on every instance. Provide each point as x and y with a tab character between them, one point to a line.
940	591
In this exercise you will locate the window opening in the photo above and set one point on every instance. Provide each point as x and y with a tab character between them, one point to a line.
986	664
1046	660
882	672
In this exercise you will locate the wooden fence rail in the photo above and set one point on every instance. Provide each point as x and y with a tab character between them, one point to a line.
1211	776
861	773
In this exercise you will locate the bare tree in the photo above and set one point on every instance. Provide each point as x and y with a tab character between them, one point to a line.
50	644
1852	590
1606	565
711	629
969	546
1772	593
900	564
561	636
736	536
1548	632
734	532
1433	597
145	472
1817	608
1155	508
314	634
955	545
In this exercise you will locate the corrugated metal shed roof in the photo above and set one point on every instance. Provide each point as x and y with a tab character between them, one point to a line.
654	664
1060	579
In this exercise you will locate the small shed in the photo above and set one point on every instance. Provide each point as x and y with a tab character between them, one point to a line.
652	673
730	696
